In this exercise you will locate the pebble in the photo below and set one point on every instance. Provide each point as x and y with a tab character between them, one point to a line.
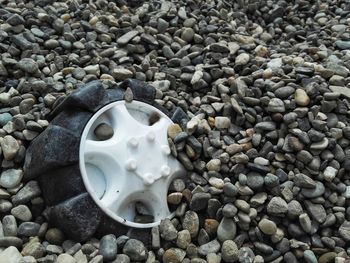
227	229
276	105
10	255
5	118
33	248
301	97
28	65
304	181
315	192
9	225
199	201
343	44
97	259
310	257
216	182
5	205
53	249
9	147
22	213
29	191
305	222
65	258
330	173
167	230
174	198
254	180
28	229
183	239
316	211
174	255
327	257
11	178
214	165
344	230
210	247
242	59
191	223
15	20
268	227
229	251
213	258
222	122
122	258
125	39
54	236
187	34
8	241
121	73
108	247
174	130
135	249
275	63
103	132
277	206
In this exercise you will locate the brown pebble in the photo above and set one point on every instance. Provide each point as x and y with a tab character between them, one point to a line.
174	198
153	118
211	226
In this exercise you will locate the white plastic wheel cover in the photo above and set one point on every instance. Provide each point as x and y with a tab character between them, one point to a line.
134	165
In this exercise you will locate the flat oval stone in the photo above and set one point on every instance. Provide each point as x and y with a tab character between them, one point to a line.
10	241
108	247
11	178
315	192
29	229
226	229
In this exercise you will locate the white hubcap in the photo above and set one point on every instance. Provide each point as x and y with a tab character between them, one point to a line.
134	165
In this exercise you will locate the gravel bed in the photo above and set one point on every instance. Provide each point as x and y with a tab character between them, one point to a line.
266	87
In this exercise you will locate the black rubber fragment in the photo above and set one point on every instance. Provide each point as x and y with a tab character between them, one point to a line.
89	97
140	89
61	184
77	217
110	226
142	234
114	94
75	121
54	148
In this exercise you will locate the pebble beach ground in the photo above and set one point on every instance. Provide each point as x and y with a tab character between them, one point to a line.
266	86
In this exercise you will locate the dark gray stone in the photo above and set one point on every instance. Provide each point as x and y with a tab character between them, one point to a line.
255	180
108	247
135	249
11	241
28	229
344	231
316	211
315	192
199	201
28	192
